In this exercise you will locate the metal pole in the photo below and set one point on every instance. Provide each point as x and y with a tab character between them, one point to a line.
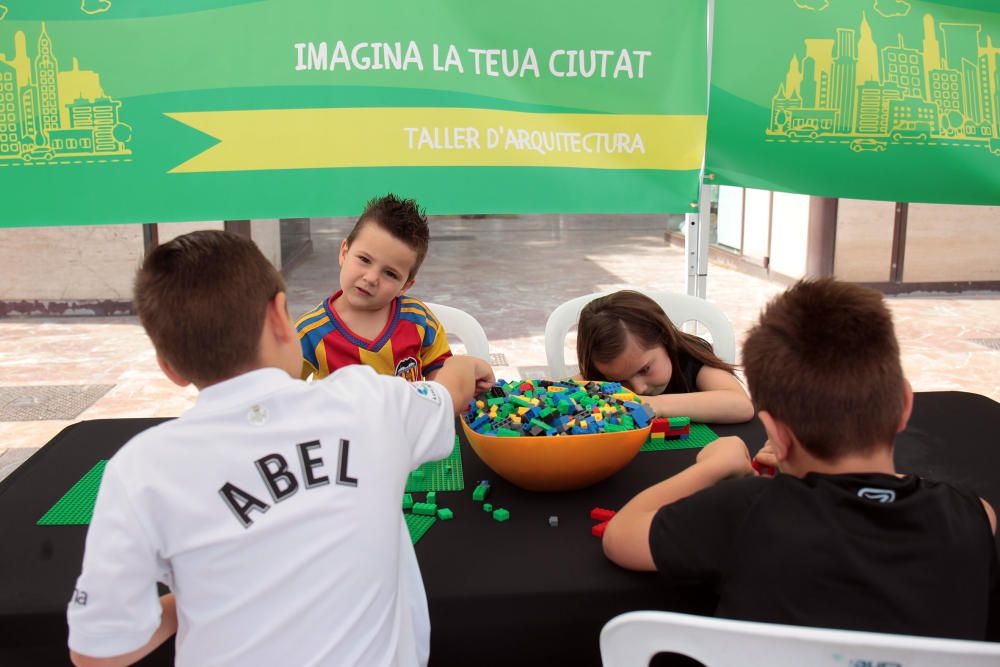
697	224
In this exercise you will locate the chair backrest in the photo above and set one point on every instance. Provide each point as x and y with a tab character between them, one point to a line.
632	639
680	308
459	323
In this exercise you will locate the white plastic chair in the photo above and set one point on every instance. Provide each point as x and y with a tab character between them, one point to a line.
680	308
632	639
464	326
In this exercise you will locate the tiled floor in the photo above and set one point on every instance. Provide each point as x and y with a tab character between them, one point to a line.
509	273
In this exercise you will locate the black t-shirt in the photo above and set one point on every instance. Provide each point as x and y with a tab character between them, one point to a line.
862	552
684	374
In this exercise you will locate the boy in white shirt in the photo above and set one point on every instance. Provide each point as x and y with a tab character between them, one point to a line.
271	508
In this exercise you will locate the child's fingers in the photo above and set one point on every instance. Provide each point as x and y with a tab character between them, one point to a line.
766	457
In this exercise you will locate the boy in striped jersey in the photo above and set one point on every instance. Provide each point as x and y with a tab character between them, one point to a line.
370	320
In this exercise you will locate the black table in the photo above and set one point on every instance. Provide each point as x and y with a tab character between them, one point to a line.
514	593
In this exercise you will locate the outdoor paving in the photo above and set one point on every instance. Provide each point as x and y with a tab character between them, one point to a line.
509	273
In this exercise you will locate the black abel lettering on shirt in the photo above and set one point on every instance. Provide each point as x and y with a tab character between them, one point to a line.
281	483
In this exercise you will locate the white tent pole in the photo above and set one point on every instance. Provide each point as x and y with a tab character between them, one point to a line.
697	224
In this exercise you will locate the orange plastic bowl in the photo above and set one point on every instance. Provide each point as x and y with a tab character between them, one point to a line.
557	463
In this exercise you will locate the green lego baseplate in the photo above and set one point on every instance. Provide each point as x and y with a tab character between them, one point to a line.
76	507
418	525
443	475
699	436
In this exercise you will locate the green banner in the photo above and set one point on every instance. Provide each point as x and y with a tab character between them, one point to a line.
139	111
871	99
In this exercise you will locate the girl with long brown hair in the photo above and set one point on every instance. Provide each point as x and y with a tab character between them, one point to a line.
626	337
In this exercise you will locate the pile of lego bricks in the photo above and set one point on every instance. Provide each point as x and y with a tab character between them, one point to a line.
544	408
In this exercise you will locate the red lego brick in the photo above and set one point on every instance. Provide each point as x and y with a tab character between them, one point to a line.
601	514
763	470
598	530
660	425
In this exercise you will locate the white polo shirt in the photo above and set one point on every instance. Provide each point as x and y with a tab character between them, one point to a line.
272	510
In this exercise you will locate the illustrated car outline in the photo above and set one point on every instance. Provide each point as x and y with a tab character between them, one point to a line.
868	144
806	132
40	153
904	135
994	146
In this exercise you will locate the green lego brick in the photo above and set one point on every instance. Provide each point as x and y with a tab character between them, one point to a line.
443	475
407	501
444	514
700	436
418	525
678	422
431	497
487	507
424	508
76	507
480	492
500	514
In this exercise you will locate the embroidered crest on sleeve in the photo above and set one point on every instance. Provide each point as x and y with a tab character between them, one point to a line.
427	391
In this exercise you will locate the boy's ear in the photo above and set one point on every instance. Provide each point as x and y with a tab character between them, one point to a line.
408	285
907	405
171	374
343	251
280	320
779	435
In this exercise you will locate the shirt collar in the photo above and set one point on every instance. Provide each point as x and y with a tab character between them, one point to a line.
243	389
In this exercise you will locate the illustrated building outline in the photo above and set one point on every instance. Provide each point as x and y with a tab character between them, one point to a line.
945	90
47	113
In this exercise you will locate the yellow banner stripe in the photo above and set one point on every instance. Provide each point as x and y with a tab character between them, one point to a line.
442	137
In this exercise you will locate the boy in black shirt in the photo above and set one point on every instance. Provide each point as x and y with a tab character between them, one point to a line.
838	538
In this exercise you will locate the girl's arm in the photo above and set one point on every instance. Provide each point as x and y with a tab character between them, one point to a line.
720	399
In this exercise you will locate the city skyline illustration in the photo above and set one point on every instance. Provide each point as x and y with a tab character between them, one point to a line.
848	89
53	115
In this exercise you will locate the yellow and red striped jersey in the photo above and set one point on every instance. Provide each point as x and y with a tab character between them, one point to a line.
411	345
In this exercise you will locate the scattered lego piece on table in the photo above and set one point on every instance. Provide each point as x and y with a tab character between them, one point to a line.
407	501
553	521
425	509
601	514
598	530
501	515
444	514
487	507
481	491
432	497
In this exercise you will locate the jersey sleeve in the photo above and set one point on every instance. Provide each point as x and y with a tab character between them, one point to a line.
115	608
692	539
427	417
434	350
311	328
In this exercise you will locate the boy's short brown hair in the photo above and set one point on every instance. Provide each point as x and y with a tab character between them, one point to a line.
403	218
202	299
824	360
